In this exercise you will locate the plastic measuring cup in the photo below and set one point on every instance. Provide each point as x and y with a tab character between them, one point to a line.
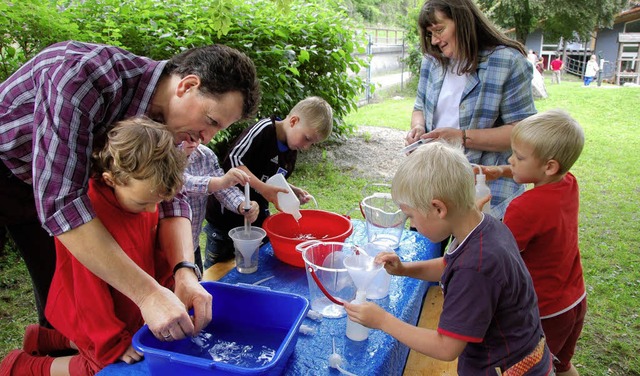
384	220
328	279
246	245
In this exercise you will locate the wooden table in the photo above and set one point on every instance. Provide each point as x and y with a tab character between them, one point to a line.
417	364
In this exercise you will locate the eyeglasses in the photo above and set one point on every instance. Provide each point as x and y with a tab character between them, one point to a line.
429	34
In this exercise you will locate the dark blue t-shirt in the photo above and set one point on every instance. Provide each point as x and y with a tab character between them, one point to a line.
489	302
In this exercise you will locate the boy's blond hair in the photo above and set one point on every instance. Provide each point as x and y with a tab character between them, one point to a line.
315	113
142	149
437	170
553	134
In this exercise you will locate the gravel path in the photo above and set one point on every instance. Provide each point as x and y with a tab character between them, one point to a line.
372	153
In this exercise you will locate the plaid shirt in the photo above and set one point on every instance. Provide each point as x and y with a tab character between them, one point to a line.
203	164
498	93
55	106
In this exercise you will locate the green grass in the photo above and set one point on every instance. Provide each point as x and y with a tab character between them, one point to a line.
609	175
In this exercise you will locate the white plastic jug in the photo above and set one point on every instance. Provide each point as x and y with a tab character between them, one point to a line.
288	202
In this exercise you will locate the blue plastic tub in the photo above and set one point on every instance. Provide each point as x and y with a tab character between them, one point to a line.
243	315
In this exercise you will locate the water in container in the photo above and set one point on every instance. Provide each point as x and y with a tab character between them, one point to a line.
324	262
246	246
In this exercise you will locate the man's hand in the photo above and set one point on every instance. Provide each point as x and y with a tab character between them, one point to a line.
166	315
193	295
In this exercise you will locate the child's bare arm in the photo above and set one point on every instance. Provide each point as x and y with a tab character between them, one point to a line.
429	270
425	341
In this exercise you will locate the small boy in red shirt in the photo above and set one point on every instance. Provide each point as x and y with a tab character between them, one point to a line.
544	222
138	168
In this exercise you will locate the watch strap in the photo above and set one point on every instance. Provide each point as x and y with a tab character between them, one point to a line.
190	265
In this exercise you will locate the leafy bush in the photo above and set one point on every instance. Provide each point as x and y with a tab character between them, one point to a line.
27	27
299	49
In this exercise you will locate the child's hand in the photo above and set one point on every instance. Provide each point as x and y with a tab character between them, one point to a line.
252	213
131	356
391	261
481	201
368	314
493	172
302	195
233	177
270	193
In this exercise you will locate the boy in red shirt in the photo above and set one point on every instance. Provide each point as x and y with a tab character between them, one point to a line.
544	222
137	169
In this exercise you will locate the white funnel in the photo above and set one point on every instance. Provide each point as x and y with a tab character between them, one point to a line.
362	269
247	243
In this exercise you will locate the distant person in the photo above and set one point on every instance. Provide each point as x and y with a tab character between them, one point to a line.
56	107
532	57
556	68
205	177
591	70
138	168
490	320
540	64
268	147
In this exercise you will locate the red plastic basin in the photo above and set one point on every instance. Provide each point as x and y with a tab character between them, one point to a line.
285	233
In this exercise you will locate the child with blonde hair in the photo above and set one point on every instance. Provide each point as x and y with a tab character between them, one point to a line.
267	148
138	167
489	319
544	222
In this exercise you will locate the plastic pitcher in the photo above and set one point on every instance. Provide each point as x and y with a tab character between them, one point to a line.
288	202
384	219
328	279
246	246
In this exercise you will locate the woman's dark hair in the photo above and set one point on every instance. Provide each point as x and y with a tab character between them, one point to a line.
474	32
221	69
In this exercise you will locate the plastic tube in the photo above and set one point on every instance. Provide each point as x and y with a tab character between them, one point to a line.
335	361
314	315
306	329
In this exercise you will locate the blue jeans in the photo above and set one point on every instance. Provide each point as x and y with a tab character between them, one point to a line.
219	246
587	80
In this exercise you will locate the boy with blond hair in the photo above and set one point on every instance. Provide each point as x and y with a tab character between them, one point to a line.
490	319
138	168
268	147
544	222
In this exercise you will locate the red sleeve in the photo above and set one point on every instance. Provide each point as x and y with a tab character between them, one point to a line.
518	219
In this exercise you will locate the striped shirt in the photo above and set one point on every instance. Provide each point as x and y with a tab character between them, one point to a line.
55	106
498	93
203	165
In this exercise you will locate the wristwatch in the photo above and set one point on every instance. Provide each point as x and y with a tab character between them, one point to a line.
190	265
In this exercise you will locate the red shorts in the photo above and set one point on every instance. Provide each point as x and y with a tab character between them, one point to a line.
562	334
